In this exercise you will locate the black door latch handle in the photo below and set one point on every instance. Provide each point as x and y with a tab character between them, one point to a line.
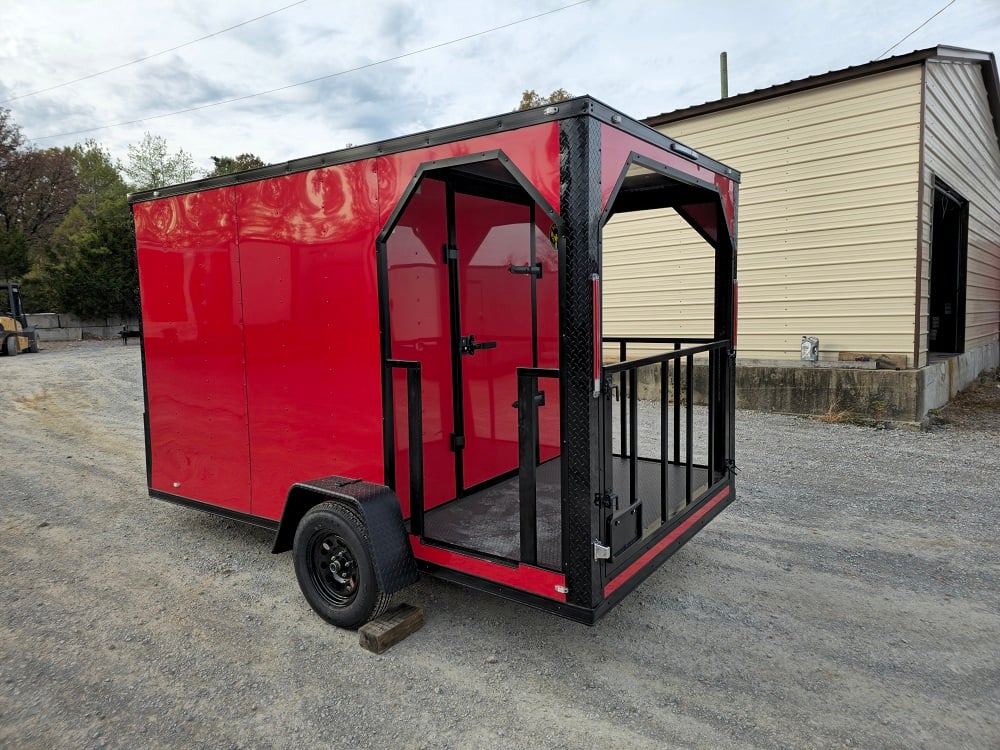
467	345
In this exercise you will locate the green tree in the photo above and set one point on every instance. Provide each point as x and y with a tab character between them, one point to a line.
97	276
150	164
99	178
531	98
89	268
37	188
14	259
230	164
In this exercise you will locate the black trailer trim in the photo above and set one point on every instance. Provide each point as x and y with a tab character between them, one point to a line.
455	323
145	388
584	105
215	510
563	609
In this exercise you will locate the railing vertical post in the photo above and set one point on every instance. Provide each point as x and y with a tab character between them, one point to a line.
633	431
711	383
622	356
527	437
689	418
664	464
415	411
389	426
677	406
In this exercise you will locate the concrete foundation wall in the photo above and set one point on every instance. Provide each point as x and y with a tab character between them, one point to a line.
901	397
67	327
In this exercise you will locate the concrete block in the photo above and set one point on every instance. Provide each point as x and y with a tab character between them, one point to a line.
44	320
58	334
935	385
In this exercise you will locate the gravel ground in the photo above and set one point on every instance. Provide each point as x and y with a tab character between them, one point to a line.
849	598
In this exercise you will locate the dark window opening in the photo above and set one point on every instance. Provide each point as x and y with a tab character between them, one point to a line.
949	252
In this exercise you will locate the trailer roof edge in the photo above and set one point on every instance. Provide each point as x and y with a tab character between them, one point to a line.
576	107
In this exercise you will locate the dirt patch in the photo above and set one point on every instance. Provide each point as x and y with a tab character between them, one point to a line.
977	407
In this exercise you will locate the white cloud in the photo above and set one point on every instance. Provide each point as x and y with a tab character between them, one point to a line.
639	56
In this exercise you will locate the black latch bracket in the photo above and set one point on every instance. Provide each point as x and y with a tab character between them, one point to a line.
535	269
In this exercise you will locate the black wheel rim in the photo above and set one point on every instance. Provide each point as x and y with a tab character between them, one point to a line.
333	568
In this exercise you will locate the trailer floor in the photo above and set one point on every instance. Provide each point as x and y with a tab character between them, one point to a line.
488	521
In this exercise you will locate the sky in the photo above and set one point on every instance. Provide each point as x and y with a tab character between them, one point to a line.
641	57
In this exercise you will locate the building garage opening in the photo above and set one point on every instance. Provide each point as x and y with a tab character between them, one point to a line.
949	252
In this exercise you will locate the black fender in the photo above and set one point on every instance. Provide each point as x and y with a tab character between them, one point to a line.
378	507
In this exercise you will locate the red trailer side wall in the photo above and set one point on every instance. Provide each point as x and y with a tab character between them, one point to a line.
189	278
310	301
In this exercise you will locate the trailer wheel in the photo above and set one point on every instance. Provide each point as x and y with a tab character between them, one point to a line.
333	563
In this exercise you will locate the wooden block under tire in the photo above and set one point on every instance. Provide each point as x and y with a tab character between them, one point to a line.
389	628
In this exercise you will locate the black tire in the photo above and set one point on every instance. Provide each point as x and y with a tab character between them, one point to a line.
10	346
33	344
333	562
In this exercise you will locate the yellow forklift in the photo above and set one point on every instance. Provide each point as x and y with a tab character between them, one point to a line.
16	335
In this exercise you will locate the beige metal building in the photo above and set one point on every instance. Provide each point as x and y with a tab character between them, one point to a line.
869	218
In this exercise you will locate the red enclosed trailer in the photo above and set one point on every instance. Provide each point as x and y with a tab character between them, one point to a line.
393	356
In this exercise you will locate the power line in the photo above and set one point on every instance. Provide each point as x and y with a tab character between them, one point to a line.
150	57
948	5
313	80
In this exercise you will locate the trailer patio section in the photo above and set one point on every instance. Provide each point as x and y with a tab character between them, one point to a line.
393	356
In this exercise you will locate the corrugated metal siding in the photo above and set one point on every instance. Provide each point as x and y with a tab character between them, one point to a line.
828	226
960	147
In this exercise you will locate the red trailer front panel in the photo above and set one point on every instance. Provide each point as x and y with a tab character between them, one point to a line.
189	277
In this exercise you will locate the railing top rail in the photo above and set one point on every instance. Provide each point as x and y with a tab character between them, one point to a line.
408	364
652	340
538	372
665	357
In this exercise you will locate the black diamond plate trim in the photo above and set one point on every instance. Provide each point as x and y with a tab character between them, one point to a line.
378	505
580	205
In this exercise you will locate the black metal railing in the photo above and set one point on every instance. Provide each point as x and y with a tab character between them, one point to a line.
528	401
415	438
676	394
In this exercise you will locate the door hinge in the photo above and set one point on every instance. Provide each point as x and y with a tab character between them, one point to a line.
606	499
601	552
450	252
610	387
457	442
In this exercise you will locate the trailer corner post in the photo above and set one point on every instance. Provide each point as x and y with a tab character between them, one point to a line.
582	467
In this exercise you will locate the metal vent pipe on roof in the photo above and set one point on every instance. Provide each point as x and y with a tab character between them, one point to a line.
724	74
